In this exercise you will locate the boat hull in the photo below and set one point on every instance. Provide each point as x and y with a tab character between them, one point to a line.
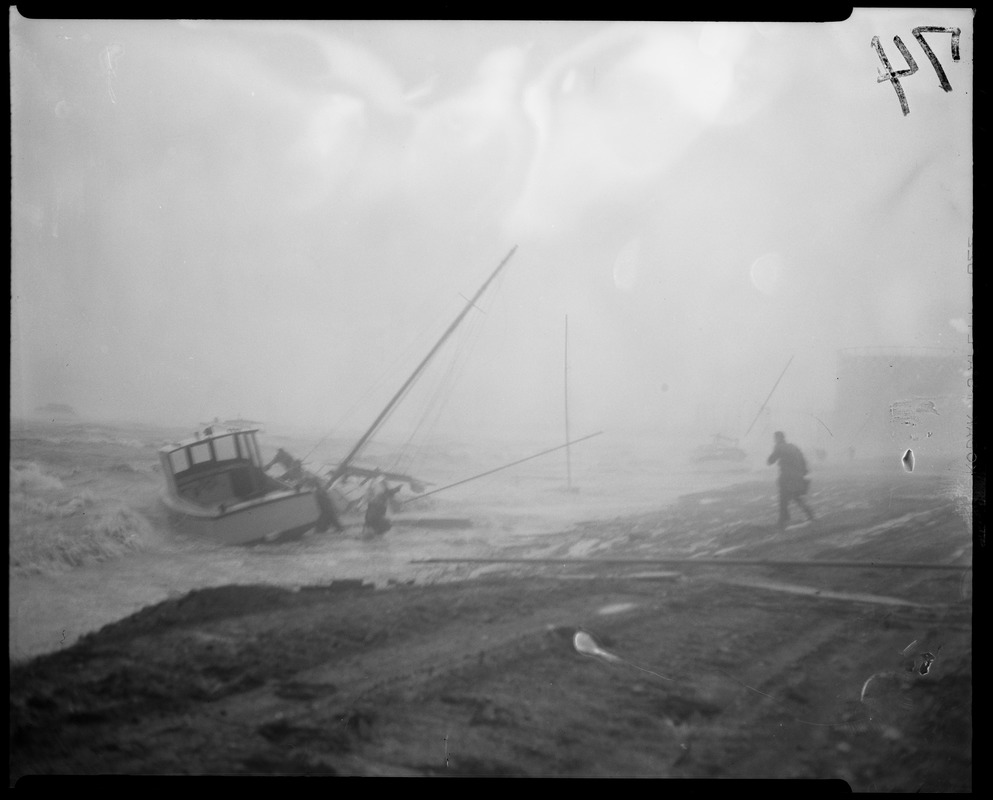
272	516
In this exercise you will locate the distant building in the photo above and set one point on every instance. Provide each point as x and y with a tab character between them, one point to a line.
892	399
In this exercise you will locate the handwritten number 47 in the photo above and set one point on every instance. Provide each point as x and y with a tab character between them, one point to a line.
892	75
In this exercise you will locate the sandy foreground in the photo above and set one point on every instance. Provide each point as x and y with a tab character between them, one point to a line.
593	662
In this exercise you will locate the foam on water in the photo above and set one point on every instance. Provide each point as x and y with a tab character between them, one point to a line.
53	528
90	541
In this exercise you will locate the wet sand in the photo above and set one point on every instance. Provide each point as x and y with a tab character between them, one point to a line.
862	674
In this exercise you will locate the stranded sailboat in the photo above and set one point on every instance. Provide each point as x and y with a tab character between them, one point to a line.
217	487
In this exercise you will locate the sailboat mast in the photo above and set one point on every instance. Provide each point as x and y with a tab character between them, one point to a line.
762	407
568	456
420	367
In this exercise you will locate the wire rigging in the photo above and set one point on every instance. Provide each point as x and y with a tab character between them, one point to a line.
437	401
402	392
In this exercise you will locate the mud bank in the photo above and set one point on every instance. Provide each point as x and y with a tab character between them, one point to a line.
704	671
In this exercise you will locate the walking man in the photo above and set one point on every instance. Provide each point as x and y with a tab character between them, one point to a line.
793	481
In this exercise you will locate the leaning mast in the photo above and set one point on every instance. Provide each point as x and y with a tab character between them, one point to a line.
340	469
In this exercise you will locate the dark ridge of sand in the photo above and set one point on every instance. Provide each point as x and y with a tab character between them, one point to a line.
706	678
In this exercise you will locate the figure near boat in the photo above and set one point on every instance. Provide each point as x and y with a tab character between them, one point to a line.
378	497
329	513
292	467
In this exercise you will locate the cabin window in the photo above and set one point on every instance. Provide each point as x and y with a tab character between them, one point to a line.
245	444
200	453
179	461
224	448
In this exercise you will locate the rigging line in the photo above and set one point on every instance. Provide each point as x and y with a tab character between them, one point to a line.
440	398
483	475
420	368
428	333
388	415
392	369
466	351
428	406
430	417
770	395
443	381
404	456
467	342
360	401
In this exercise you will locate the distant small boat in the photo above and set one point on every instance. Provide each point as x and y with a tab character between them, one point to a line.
217	488
234	423
722	448
243	423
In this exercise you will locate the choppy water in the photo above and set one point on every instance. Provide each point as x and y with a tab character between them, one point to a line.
90	542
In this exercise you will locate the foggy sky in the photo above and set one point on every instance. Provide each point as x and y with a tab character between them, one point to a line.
277	219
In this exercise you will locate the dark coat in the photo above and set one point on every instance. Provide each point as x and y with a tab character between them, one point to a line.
792	467
375	515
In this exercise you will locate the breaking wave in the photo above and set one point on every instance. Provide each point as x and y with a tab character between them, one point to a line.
54	529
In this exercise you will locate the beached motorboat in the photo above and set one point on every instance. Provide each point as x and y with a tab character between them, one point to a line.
217	487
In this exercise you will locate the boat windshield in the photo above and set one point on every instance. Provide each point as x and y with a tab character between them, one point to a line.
179	460
200	453
224	449
234	447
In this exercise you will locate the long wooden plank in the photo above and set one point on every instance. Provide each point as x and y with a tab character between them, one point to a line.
702	562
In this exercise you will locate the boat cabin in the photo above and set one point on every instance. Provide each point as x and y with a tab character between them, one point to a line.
217	469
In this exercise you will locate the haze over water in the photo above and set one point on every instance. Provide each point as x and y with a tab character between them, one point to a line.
276	219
